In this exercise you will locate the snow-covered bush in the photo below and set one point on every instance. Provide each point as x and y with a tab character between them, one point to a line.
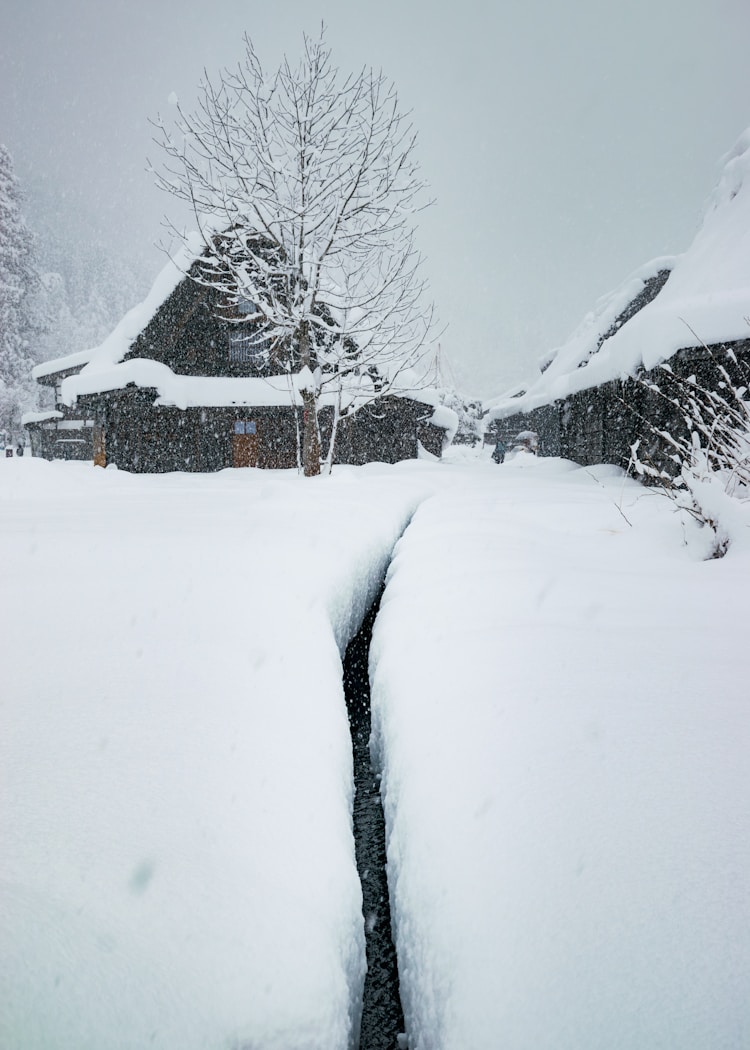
469	414
704	463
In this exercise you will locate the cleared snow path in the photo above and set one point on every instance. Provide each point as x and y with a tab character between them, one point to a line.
382	1014
562	714
177	864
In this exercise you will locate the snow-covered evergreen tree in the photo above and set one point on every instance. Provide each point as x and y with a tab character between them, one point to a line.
17	283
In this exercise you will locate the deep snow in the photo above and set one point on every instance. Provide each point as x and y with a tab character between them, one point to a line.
178	866
560	711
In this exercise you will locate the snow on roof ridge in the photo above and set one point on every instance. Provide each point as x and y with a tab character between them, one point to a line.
121	338
735	165
706	300
577	356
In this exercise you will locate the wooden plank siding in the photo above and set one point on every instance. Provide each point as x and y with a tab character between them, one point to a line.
145	438
601	424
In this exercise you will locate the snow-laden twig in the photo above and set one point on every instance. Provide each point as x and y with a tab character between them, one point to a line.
704	463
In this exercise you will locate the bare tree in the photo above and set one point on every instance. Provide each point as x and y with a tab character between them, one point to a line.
304	185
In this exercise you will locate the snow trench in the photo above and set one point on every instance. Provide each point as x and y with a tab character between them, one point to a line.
382	1024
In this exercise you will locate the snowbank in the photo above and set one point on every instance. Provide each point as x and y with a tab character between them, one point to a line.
561	716
178	865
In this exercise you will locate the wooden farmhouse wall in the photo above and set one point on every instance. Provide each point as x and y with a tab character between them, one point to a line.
146	438
600	425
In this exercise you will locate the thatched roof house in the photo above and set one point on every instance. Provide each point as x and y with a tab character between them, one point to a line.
684	310
190	381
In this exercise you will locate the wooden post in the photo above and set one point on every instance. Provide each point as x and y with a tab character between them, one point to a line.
100	445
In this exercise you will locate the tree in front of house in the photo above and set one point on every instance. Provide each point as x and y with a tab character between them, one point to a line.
305	185
17	284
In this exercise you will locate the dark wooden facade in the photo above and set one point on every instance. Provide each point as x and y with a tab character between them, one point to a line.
69	438
195	333
142	437
66	433
600	425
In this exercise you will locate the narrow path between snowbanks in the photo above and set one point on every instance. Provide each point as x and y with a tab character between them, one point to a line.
178	866
560	711
382	1014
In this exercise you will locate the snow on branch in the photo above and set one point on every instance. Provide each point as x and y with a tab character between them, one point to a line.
702	462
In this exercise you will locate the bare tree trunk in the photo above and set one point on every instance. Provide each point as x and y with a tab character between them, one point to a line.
310	436
310	430
328	465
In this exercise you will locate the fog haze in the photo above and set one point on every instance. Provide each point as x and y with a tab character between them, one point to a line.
564	144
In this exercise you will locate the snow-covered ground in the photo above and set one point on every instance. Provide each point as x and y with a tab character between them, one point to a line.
177	865
561	708
561	713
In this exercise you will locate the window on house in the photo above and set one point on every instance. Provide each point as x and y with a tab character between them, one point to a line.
248	347
245	426
246	307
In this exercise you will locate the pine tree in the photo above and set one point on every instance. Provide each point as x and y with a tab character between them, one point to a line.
17	281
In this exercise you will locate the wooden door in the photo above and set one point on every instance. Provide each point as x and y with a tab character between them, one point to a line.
245	444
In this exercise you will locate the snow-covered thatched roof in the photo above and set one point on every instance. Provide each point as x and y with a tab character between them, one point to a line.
105	368
705	300
118	342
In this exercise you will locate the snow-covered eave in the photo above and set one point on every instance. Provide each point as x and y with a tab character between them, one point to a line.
181	391
30	418
59	365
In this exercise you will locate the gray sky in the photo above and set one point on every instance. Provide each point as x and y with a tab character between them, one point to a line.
565	144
